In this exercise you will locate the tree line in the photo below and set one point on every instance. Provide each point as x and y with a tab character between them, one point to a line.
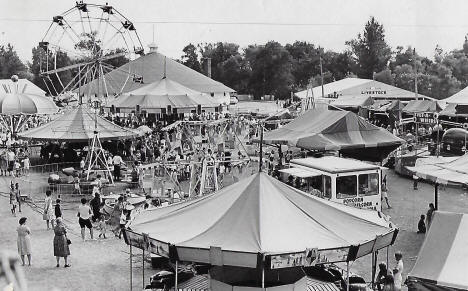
276	69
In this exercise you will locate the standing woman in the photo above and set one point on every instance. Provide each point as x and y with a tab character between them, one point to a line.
398	271
47	215
61	248
23	242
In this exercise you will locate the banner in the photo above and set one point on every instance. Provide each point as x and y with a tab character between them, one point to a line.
304	259
332	256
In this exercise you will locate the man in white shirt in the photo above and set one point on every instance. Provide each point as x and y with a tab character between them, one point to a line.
117	161
84	214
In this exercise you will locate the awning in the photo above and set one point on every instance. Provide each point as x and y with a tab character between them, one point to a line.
301	173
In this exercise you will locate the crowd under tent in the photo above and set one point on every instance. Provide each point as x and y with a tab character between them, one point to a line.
165	97
421	106
17	104
460	97
82	124
330	130
150	68
239	228
442	260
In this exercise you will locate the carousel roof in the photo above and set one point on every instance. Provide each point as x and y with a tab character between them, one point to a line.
26	103
243	220
163	93
78	125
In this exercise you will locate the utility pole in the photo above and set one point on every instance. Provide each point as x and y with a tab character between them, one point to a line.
415	75
321	75
208	65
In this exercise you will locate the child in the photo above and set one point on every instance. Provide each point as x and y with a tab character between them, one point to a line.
58	210
26	165
17	166
123	222
102	225
422	224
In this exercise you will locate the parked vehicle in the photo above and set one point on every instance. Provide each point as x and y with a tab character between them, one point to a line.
454	142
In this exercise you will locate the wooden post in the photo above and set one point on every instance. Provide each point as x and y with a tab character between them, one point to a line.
176	276
143	269
260	163
436	196
347	276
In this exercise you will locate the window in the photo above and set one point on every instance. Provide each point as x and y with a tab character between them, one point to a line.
369	184
327	187
346	187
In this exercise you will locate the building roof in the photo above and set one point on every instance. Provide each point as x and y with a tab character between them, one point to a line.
333	164
422	106
461	97
153	67
22	86
357	86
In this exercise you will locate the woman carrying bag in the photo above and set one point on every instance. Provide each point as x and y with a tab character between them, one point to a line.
61	243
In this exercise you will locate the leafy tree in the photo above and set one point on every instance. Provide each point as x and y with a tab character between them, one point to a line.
10	63
218	53
385	76
117	61
370	50
190	57
41	62
271	70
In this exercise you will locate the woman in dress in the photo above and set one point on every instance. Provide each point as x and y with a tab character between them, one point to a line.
23	242
61	248
47	215
398	271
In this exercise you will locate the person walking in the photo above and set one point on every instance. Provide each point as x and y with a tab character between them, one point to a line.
47	214
84	214
18	196
117	162
385	194
61	243
58	209
398	271
13	200
24	242
95	204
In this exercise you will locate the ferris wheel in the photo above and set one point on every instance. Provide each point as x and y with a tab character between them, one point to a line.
95	38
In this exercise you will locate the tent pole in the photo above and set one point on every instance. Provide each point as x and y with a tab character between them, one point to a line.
373	269
131	269
347	276
176	275
260	163
143	268
436	196
263	276
387	257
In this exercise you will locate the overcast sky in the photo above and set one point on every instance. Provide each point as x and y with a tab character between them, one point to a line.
328	23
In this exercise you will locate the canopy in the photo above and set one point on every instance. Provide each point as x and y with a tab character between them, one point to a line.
26	103
458	98
443	259
78	125
21	86
454	110
162	94
325	130
258	214
144	129
352	101
445	171
422	106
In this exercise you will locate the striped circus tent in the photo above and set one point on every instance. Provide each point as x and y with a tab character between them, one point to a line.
443	259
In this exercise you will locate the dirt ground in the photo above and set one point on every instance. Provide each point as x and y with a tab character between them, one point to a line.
104	264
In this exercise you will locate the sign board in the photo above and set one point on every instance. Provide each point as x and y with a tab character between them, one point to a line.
426	118
332	256
303	259
144	242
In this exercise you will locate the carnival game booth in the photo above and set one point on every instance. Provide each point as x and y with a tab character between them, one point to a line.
443	259
421	109
19	103
329	130
164	98
83	125
253	232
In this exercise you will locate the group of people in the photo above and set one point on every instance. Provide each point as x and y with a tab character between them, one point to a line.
390	280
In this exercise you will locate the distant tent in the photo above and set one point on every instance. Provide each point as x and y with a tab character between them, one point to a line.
163	93
150	68
325	130
455	110
21	86
352	102
445	171
422	106
78	125
443	259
